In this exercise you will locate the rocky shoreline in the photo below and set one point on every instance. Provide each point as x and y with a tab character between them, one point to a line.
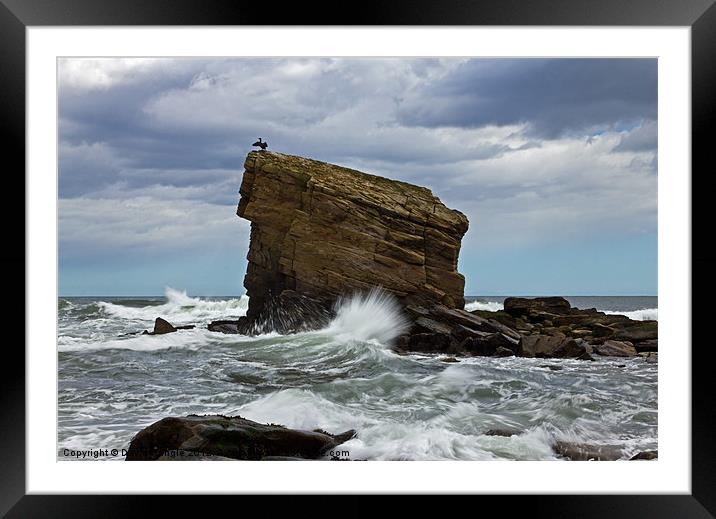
320	232
543	327
227	438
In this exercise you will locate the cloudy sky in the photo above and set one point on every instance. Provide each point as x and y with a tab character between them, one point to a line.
552	160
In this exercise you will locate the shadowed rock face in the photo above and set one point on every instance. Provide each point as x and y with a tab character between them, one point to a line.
320	231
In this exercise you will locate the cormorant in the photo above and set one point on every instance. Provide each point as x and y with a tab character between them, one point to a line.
260	144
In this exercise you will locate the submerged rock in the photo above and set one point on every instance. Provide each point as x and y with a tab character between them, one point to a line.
506	433
587	452
224	326
162	326
645	455
214	436
651	357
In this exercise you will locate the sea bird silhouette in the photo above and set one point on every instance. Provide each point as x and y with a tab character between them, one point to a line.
260	144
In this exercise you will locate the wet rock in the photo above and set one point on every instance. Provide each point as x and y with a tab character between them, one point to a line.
506	433
616	349
427	325
162	326
448	359
652	357
645	455
229	437
586	452
551	346
638	331
517	306
224	326
651	345
600	330
428	342
501	351
553	368
502	317
489	345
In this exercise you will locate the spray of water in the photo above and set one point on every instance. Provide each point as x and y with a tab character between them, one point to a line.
180	308
372	316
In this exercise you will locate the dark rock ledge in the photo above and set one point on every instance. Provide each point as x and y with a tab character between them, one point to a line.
216	437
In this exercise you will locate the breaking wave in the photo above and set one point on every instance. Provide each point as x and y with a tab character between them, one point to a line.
645	314
372	316
490	306
180	308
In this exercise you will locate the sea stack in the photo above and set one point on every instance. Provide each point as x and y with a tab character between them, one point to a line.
320	231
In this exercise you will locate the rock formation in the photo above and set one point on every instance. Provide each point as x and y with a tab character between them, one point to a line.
162	326
320	231
222	437
548	325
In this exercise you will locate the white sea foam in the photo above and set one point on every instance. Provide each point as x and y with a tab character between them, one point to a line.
372	316
180	308
182	339
490	306
342	377
645	314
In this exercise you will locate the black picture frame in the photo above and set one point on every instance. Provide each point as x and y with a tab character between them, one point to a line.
700	15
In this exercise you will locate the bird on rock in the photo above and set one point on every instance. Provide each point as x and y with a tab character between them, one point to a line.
261	144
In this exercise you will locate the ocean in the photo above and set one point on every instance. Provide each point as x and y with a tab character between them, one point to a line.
112	382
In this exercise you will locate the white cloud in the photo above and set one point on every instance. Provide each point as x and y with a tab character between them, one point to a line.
145	224
166	176
103	73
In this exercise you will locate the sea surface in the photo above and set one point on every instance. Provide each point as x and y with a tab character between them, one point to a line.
113	382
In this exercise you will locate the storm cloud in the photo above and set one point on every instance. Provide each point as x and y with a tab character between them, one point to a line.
539	153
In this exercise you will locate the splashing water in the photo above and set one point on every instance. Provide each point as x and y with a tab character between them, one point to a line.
112	382
373	316
644	314
490	306
180	308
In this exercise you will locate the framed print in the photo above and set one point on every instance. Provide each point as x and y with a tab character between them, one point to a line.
437	243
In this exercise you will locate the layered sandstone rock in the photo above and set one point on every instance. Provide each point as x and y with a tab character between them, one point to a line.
320	231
